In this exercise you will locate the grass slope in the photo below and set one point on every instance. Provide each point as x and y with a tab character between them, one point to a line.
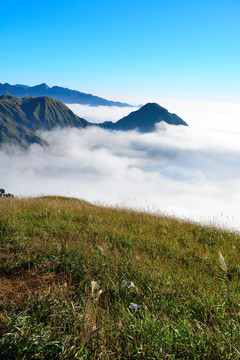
12	124
64	267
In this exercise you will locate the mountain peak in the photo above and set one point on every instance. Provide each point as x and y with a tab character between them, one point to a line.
43	86
145	118
151	106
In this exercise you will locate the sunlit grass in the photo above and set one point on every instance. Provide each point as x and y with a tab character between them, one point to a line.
69	262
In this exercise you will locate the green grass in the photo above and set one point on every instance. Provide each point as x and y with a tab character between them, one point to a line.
64	264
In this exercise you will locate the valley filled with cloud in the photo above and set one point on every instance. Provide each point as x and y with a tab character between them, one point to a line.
189	172
99	114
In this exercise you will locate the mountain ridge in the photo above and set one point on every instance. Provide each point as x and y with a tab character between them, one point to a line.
63	94
21	117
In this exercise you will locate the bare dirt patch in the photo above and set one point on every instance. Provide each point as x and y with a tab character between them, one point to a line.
7	251
22	282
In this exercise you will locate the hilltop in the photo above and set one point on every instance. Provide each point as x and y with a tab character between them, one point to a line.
87	282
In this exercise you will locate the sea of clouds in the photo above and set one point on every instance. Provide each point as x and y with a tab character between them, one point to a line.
99	114
190	172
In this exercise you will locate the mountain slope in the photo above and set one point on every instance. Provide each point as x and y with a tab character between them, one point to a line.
144	119
19	118
65	95
11	132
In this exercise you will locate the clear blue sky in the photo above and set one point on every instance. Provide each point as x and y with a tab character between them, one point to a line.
171	48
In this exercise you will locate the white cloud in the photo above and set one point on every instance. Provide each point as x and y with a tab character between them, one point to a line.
100	113
192	172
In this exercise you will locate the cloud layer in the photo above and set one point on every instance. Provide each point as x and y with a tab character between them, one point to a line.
101	113
191	172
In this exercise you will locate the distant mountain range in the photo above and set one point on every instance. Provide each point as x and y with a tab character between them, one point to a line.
20	118
65	95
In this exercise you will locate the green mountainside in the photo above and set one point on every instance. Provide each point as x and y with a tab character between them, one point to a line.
79	281
20	118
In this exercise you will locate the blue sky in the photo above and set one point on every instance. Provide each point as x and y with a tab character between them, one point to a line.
172	48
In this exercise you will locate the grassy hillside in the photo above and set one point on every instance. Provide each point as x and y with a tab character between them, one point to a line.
86	282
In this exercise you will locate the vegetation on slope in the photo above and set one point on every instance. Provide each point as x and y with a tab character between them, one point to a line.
85	282
20	118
